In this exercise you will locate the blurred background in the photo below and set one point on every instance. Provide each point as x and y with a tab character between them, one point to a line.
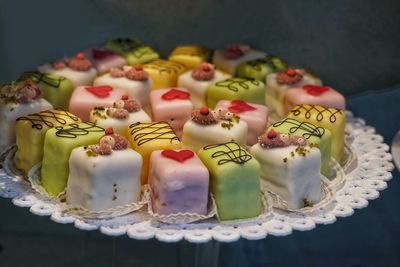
354	46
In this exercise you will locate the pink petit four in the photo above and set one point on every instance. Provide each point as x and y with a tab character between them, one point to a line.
85	98
314	95
179	182
256	116
173	106
103	60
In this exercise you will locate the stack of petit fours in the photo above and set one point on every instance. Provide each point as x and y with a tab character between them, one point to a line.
111	119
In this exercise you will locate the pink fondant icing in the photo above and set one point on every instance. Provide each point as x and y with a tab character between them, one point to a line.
175	111
103	60
256	118
328	98
83	101
178	187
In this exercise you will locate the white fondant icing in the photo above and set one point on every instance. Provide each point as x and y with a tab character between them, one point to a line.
119	126
196	136
104	182
275	92
198	89
297	179
139	90
78	78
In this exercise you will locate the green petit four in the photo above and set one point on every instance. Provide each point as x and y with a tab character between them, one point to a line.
134	51
58	145
234	180
248	90
56	89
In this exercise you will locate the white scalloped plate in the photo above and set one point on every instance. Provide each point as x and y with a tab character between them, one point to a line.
363	182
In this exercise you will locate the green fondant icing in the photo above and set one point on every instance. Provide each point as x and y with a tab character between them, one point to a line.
315	135
56	89
258	69
234	180
58	145
248	90
134	51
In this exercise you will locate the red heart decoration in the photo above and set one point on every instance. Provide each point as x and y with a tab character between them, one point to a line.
100	91
100	53
180	156
315	89
239	106
175	94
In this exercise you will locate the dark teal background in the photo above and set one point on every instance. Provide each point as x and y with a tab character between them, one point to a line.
353	45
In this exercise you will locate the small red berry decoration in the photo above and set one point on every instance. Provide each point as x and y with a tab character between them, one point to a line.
204	111
271	134
109	131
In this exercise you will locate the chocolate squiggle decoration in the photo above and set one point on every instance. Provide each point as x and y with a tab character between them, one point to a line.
158	130
74	130
165	67
38	119
38	77
307	109
235	154
311	129
235	84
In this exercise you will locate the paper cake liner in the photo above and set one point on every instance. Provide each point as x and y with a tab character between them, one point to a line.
77	210
8	164
337	177
36	183
266	209
4	153
349	160
179	218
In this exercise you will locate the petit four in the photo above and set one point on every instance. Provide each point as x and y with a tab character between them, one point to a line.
315	135
248	90
232	56
56	89
105	175
178	182
30	133
256	117
146	137
58	145
314	95
85	98
330	118
290	167
276	85
123	113
104	60
173	106
17	100
234	180
190	55
134	80
258	69
164	73
79	70
197	81
213	127
134	51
